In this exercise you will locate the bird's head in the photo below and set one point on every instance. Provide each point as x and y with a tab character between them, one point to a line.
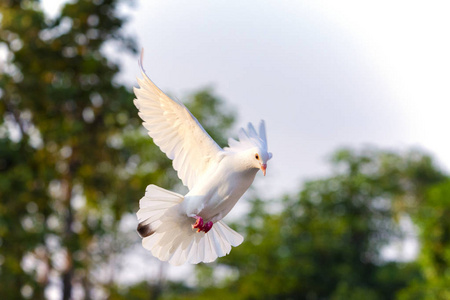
253	145
260	157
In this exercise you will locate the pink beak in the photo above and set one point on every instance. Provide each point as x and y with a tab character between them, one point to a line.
263	168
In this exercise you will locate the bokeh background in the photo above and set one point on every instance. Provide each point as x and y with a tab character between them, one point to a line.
356	203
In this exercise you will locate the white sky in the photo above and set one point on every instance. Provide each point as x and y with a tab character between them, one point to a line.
323	74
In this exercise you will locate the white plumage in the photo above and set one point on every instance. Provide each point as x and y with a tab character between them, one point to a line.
178	228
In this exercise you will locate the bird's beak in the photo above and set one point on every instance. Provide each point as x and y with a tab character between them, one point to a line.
263	168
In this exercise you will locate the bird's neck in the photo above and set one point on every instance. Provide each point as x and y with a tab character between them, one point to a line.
240	162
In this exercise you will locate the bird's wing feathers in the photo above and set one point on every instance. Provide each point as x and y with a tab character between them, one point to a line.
176	131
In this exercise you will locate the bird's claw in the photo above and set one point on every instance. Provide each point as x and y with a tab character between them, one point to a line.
200	226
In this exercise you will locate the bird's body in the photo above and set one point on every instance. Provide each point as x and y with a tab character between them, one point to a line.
219	190
178	228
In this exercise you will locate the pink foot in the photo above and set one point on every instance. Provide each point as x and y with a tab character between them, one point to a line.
207	226
200	226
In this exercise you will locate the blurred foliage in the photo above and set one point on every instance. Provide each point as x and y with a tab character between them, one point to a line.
74	160
433	221
74	157
62	108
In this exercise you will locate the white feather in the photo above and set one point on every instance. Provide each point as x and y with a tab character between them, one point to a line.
249	139
172	128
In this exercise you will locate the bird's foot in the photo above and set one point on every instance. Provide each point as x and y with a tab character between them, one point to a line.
198	224
207	226
201	226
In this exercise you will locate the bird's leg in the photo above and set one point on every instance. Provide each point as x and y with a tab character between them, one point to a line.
201	226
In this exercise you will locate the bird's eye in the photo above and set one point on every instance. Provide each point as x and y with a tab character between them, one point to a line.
256	156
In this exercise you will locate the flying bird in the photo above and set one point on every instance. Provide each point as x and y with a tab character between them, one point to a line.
189	228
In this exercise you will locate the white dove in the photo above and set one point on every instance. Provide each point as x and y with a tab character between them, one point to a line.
178	228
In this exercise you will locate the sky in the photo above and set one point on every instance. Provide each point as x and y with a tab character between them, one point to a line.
322	74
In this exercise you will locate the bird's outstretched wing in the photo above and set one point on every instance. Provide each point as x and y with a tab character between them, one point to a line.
176	131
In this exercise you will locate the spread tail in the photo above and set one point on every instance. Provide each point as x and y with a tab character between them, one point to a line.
169	236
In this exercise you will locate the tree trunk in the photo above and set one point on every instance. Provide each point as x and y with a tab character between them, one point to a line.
68	234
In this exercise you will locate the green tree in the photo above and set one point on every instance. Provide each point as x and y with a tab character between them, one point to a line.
58	91
74	159
22	218
433	221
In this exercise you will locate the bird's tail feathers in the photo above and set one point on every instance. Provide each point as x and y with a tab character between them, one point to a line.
169	236
153	206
